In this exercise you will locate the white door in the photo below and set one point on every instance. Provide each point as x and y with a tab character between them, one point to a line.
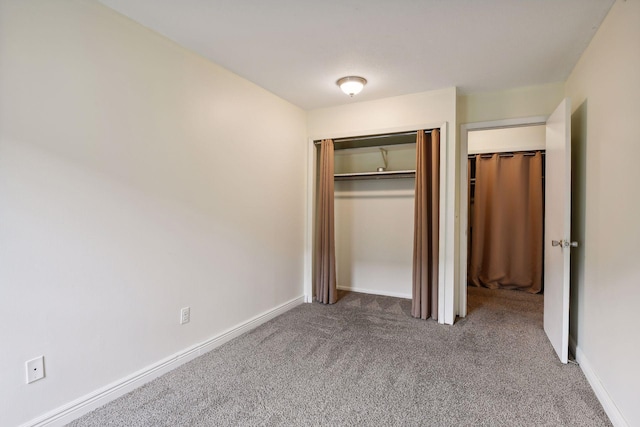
557	235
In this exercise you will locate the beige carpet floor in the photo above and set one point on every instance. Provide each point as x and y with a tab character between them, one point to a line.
365	361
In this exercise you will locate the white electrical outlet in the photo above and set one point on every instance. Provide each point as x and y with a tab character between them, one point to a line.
185	315
35	369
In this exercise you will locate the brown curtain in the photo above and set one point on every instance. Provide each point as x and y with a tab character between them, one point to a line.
507	223
325	256
424	303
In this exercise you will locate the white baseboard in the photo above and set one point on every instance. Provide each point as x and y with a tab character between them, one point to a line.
614	414
75	409
375	292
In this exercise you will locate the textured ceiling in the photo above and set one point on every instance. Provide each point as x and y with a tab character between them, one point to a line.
297	49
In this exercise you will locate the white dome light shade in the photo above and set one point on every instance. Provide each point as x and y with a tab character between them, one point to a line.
351	85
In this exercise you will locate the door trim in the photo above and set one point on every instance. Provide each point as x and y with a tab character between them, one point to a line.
463	180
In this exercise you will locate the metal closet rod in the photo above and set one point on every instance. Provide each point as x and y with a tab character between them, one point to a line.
507	154
361	138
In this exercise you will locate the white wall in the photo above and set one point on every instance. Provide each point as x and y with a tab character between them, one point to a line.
374	235
605	91
509	139
402	113
136	178
509	104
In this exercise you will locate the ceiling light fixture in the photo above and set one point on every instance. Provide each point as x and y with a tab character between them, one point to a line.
351	85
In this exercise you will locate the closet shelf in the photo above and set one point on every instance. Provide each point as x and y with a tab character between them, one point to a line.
374	175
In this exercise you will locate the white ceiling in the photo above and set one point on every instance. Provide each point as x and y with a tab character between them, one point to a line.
297	49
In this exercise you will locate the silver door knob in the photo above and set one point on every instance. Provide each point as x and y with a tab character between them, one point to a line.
564	243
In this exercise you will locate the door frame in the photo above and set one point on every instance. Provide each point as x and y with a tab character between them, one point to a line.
463	191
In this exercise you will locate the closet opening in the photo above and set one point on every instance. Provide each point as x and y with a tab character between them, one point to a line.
374	190
372	208
505	215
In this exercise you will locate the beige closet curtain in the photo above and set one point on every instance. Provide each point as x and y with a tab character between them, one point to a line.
325	256
424	303
507	234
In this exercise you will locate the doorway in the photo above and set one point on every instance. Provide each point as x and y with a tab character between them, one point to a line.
464	187
506	208
557	224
